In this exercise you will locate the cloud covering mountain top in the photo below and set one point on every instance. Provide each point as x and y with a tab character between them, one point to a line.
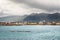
22	7
49	5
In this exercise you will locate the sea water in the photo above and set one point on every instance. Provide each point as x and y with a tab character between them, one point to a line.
35	32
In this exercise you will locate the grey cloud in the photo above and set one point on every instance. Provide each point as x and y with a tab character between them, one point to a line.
39	6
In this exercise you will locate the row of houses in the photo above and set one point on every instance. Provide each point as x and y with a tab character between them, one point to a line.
43	23
11	23
29	23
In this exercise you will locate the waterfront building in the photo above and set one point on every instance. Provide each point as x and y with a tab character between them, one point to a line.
49	23
41	23
57	23
32	23
25	23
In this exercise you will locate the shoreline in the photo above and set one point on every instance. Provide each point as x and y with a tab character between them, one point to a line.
29	25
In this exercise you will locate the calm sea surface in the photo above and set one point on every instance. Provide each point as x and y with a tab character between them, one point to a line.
30	32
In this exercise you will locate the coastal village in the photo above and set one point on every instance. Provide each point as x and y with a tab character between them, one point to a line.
28	23
43	22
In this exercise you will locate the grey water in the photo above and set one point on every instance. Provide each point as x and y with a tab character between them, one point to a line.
35	32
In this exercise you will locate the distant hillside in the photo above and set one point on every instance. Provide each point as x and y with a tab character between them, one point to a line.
54	17
42	17
12	18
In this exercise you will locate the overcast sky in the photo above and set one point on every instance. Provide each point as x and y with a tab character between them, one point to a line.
23	7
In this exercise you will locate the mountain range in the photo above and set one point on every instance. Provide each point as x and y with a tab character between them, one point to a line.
43	16
34	17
